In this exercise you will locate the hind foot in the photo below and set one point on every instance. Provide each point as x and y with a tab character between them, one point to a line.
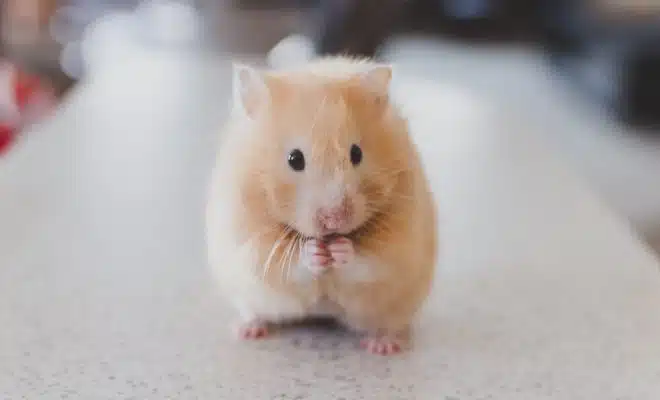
253	330
382	345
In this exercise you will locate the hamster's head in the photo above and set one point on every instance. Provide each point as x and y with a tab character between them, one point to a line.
322	154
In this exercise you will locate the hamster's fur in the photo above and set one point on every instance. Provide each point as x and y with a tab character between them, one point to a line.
352	234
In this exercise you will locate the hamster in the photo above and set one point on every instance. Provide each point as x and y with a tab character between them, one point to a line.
319	205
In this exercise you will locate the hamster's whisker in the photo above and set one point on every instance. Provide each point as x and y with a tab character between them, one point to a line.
273	250
296	247
283	257
285	260
286	265
291	252
300	245
249	242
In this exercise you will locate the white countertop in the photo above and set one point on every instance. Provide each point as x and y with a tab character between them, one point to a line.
105	294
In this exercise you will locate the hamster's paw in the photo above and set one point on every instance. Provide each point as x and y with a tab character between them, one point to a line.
382	345
341	250
253	330
316	256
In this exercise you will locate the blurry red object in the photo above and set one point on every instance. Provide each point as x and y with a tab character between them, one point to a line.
24	98
6	137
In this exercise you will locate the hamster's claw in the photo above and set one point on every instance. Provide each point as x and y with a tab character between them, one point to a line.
316	256
341	250
252	330
382	345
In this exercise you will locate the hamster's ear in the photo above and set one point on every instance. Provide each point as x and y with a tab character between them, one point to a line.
377	79
250	92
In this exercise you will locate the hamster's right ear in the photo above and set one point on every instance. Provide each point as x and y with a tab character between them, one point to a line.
250	92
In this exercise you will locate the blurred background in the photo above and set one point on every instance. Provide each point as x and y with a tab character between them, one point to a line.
586	73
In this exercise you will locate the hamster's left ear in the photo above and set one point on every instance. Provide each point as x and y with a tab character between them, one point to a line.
377	80
250	92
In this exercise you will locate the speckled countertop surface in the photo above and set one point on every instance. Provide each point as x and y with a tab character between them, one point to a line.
104	291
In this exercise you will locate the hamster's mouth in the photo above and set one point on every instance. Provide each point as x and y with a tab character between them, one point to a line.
354	234
330	235
322	235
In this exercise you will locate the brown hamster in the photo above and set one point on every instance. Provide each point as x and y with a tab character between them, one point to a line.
319	203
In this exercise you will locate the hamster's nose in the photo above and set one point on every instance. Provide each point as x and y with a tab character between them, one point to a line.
335	218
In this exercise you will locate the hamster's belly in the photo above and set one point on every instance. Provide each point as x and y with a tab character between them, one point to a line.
323	308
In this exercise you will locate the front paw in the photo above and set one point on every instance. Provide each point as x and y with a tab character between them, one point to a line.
316	256
382	345
253	330
341	250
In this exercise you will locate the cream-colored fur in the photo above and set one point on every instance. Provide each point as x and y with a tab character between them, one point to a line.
260	212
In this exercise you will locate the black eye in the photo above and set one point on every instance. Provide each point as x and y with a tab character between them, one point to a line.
296	160
356	154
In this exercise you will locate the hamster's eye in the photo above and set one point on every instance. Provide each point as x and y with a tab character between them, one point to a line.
296	160
356	154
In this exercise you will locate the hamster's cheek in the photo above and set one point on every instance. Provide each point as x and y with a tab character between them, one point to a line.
360	209
372	191
303	217
283	194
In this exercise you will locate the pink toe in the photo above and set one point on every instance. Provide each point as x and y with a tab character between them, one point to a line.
320	260
253	331
381	346
393	348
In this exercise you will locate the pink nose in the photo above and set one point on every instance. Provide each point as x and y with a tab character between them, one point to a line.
334	218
